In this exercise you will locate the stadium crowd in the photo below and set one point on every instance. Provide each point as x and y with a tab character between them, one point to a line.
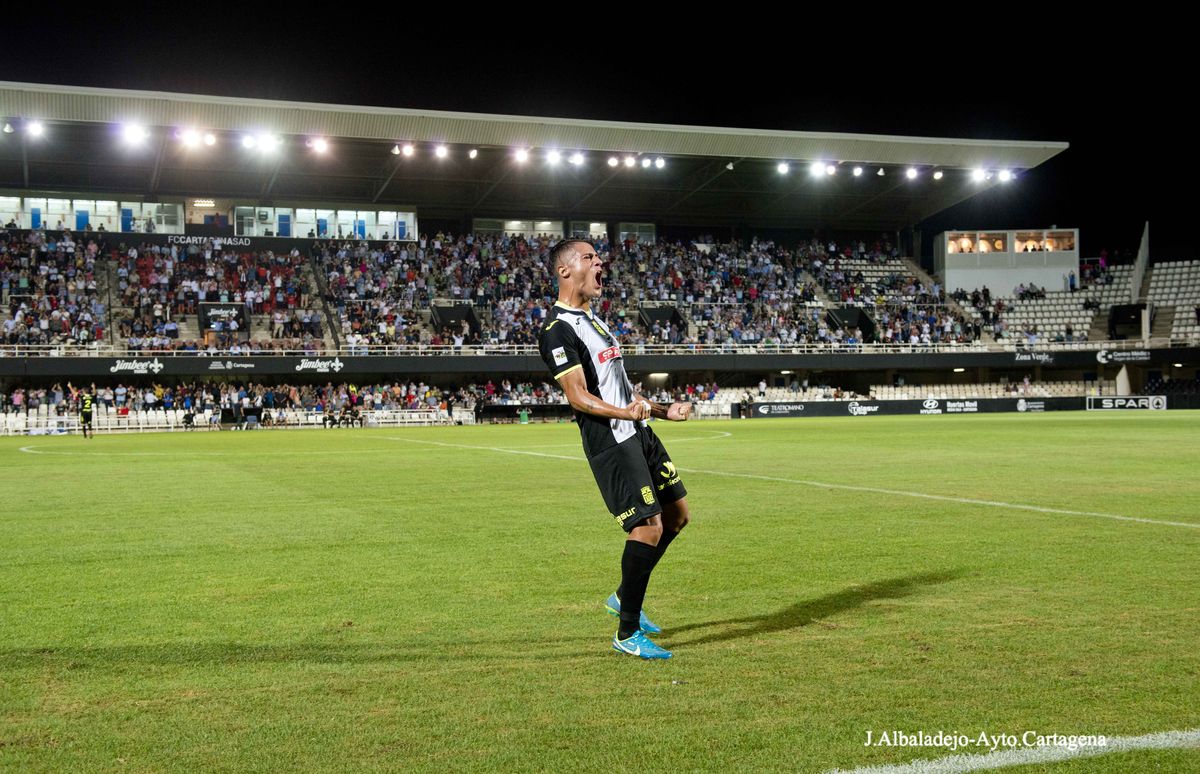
157	279
48	286
734	293
212	396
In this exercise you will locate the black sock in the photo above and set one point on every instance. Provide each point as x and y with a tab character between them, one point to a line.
663	541
636	563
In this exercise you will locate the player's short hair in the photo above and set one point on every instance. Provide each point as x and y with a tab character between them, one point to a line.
560	251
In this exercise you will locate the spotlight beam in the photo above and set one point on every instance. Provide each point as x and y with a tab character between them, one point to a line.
900	180
508	168
25	157
709	179
266	190
158	160
595	190
397	160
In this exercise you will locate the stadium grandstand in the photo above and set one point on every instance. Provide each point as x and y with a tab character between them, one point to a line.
373	245
359	378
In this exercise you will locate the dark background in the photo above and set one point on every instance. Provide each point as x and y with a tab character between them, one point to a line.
1120	97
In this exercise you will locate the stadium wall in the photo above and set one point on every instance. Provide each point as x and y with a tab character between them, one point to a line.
940	406
361	366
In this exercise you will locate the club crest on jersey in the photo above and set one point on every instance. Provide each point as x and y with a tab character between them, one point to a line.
606	355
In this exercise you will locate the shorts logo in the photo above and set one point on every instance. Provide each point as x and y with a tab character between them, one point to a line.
608	354
621	517
647	495
668	469
560	356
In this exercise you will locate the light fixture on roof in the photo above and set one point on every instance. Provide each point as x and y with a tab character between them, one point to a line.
858	171
319	144
782	168
249	141
880	172
473	153
408	149
8	128
522	155
959	370
577	158
395	150
553	157
911	174
1005	175
134	134
729	166
35	128
978	175
441	151
190	138
646	163
268	142
630	161
785	373
208	203
816	169
830	170
210	139
938	175
659	163
613	161
1178	365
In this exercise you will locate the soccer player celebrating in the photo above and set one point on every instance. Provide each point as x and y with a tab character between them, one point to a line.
85	398
635	474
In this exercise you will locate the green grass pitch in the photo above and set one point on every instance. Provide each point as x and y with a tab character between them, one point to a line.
373	600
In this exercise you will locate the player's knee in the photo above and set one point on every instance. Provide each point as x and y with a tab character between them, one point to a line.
675	516
648	532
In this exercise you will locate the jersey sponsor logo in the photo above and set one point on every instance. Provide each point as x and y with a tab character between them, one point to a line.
607	336
560	356
647	495
606	355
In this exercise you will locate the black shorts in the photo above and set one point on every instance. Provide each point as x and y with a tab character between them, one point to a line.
85	419
635	477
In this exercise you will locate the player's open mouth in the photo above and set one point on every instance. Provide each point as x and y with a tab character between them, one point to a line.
600	280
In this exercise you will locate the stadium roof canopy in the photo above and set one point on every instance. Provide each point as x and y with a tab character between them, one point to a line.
711	175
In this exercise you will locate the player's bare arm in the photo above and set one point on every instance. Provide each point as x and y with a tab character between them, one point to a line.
575	388
674	412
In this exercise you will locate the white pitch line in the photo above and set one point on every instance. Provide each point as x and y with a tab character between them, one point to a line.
575	444
845	487
956	764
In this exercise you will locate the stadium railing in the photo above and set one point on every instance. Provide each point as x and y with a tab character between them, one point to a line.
729	348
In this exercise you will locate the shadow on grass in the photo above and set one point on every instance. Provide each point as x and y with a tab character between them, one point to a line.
809	611
461	651
238	654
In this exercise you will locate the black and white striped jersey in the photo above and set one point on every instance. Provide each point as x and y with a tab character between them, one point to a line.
574	338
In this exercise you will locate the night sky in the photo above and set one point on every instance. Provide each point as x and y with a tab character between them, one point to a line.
1108	102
